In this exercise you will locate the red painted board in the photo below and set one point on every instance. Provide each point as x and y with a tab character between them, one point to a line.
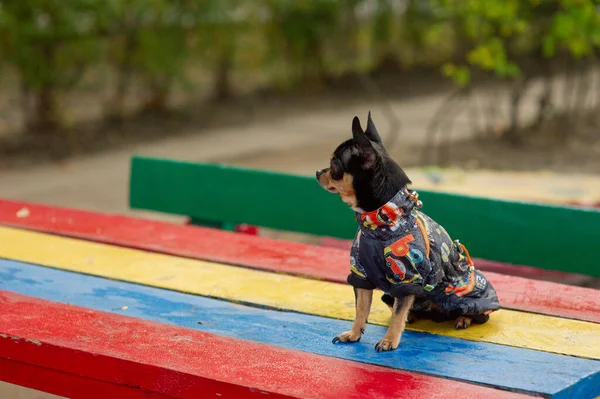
584	204
269	254
185	363
67	384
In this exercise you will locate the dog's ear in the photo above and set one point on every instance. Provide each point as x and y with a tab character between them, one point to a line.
371	131
359	136
357	132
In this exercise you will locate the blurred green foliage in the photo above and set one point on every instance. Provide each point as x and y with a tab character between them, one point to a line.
51	44
497	33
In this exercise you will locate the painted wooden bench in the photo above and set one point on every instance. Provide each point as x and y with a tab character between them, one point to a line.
97	305
537	235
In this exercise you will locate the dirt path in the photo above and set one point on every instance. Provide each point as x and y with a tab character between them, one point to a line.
11	391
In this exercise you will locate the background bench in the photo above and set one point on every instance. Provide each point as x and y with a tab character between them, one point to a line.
538	235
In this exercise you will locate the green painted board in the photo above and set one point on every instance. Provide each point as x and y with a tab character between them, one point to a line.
544	236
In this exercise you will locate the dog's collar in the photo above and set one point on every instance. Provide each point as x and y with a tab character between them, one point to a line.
392	215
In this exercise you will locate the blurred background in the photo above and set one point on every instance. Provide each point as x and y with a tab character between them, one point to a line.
496	97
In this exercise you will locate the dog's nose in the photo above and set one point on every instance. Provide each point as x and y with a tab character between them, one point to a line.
319	173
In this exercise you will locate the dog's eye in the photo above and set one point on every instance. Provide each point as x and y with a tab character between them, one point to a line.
335	173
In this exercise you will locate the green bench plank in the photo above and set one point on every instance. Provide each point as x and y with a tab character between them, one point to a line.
544	236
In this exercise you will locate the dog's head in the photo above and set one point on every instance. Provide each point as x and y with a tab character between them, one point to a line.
361	171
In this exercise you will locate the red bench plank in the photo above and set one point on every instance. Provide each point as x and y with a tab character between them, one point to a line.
183	363
66	384
269	254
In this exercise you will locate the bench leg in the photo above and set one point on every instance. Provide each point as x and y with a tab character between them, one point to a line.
242	228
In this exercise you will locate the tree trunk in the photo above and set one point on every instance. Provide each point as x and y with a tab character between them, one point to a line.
116	107
46	118
46	109
319	68
27	112
156	101
545	101
223	87
513	134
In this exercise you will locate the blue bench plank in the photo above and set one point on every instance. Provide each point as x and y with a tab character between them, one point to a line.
511	368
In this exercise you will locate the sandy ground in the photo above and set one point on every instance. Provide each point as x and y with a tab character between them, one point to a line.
11	391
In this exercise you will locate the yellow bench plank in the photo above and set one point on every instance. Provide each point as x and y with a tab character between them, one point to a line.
506	327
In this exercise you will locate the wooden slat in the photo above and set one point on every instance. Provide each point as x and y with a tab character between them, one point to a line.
179	362
272	255
506	327
71	385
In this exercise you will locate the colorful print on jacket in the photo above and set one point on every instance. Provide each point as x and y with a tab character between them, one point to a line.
402	251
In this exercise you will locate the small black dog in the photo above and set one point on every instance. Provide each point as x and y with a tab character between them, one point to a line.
399	249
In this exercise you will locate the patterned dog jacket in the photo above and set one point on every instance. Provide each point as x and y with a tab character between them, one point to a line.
402	251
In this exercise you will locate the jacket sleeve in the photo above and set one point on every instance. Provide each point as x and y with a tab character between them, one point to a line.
357	277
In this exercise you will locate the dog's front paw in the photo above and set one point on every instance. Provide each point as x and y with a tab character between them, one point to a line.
349	337
463	322
387	344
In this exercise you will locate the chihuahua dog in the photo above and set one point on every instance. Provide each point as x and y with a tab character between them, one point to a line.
397	248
